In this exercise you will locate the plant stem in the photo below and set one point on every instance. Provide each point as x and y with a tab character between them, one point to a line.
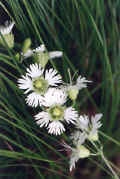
100	151
108	165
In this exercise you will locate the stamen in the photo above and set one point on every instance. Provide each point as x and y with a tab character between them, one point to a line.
56	112
40	85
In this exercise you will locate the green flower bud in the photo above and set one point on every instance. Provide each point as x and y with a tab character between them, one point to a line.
17	57
26	45
41	58
73	93
93	137
9	38
83	152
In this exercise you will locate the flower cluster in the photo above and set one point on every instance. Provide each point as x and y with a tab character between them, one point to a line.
44	88
57	100
40	54
37	81
41	87
87	129
56	112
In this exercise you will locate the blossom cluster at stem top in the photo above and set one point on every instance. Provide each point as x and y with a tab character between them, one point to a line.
41	88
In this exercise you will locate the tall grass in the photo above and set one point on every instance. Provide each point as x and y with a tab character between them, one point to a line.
88	34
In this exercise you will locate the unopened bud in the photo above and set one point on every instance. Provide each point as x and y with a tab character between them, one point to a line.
9	39
83	152
26	45
93	137
73	93
17	57
41	58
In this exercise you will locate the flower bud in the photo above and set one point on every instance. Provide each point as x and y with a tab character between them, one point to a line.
83	152
73	93
93	137
17	57
41	58
9	38
26	45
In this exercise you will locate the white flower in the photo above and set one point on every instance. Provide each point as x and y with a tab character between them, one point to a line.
54	96
30	52
90	127
6	31
88	130
7	28
95	125
41	50
95	122
77	152
82	123
56	112
73	89
78	137
37	81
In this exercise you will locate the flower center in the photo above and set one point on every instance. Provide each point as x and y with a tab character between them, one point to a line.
40	85
56	112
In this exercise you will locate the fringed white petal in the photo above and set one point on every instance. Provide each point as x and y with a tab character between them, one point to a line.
55	54
81	82
70	115
41	48
78	137
56	128
54	96
25	83
53	77
42	119
96	123
35	70
34	99
73	159
7	29
82	122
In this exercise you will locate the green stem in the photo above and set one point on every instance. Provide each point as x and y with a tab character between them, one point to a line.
115	176
100	151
